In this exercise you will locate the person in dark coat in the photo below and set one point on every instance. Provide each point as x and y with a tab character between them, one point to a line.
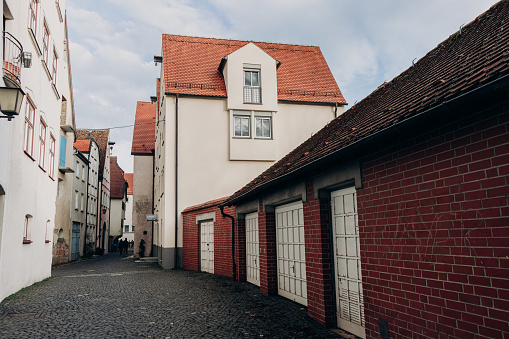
126	246
121	246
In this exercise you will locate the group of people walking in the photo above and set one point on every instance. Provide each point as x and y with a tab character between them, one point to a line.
123	246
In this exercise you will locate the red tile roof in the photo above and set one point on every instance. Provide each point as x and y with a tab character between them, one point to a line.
129	178
82	145
118	185
101	137
191	67
207	204
467	60
144	128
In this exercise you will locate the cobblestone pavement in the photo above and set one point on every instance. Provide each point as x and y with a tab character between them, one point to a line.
114	297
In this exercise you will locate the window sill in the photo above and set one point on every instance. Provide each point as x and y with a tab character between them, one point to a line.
59	11
253	103
47	241
55	90
30	156
262	138
34	41
241	137
26	242
42	168
45	66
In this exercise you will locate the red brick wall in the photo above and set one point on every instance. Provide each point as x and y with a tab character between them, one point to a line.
319	276
240	249
268	254
222	241
434	231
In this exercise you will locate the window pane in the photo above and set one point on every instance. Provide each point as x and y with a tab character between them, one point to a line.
254	79
245	127
266	128
247	78
237	127
259	127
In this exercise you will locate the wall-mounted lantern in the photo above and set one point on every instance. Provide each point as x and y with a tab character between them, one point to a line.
10	101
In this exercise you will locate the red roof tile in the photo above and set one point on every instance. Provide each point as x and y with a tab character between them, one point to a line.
191	63
129	178
101	137
82	145
144	128
118	185
207	204
465	61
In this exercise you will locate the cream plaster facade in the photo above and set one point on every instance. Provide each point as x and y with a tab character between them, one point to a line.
142	203
28	180
197	156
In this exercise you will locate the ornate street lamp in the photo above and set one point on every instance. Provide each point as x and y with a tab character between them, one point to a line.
10	101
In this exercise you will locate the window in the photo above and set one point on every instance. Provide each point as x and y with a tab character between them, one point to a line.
55	66
82	202
252	93
77	169
51	169
42	144
263	127
126	228
132	228
29	128
76	200
83	173
241	126
45	42
33	15
27	229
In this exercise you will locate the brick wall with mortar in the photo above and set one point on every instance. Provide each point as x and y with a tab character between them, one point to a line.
434	231
222	240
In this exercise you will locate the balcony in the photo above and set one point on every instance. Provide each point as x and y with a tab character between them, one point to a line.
13	58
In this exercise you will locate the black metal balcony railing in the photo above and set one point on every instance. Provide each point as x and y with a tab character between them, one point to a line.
13	57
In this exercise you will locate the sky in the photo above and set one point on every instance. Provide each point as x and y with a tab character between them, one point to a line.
113	43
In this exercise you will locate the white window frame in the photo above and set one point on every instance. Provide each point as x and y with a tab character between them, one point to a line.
54	68
83	173
51	169
45	42
76	200
27	229
32	20
241	118
29	128
77	169
249	88
43	127
263	118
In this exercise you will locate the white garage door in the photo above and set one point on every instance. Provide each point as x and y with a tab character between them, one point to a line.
291	258
207	246
252	249
347	261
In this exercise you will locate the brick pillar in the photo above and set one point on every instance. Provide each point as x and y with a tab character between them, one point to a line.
268	255
319	263
240	248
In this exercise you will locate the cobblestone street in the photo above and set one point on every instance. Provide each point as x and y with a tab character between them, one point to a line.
112	296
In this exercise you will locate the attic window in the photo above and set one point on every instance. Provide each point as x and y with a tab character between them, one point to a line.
252	89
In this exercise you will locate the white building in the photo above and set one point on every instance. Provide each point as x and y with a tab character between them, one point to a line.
118	191
35	32
128	222
227	111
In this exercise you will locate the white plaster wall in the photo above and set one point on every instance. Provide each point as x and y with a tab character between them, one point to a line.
116	218
29	189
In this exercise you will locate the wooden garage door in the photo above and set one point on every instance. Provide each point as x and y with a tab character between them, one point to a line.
291	258
347	260
207	246
252	249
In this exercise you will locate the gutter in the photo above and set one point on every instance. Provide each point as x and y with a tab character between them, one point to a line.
482	92
176	175
234	265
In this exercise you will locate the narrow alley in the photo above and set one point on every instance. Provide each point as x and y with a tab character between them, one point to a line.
115	297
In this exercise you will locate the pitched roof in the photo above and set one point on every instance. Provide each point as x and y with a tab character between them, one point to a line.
117	181
191	67
101	137
467	60
207	204
129	178
82	145
144	128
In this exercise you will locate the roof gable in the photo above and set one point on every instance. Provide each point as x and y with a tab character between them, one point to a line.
191	67
82	145
118	184
144	128
465	61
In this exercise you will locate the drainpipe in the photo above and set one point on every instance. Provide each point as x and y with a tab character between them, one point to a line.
176	174
234	274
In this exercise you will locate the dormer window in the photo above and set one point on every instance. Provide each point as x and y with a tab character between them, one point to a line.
252	89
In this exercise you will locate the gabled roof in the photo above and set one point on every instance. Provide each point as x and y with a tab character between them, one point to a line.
144	128
101	137
191	67
82	145
129	178
466	61
118	185
207	204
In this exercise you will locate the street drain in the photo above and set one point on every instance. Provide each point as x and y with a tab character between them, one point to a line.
21	315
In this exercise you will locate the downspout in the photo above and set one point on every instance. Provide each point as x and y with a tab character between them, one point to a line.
153	193
234	273
86	214
176	175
